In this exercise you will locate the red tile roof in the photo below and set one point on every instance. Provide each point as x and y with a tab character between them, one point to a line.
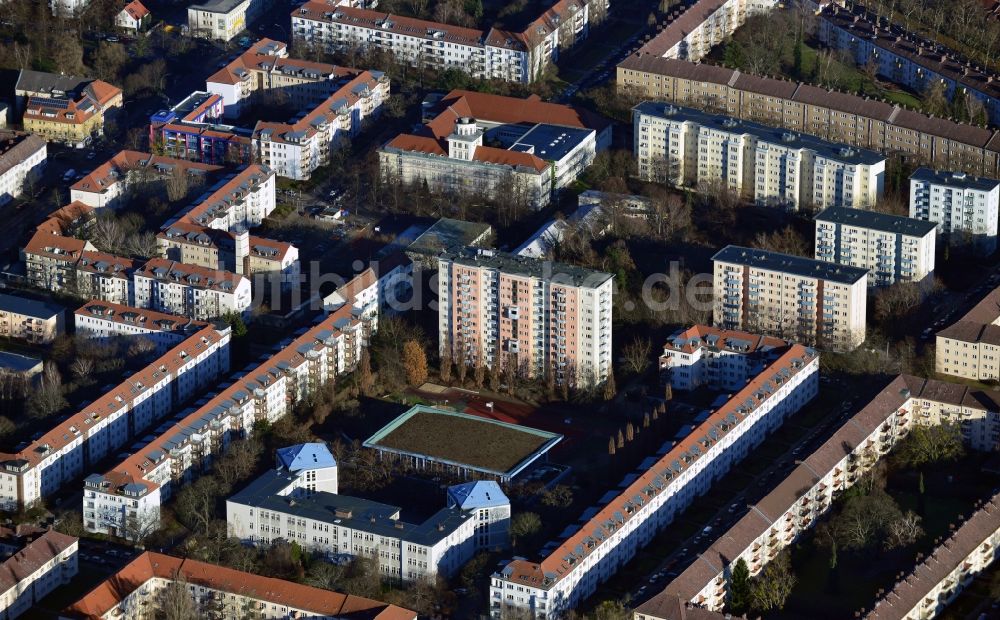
115	169
32	557
600	528
149	565
136	10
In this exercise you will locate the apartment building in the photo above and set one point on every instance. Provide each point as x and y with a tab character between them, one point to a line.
109	184
947	571
790	297
526	314
102	321
193	129
238	252
542	147
241	200
22	160
773	167
63	453
67	8
720	359
964	207
222	20
832	115
807	493
303	506
64	108
337	102
36	322
97	275
891	247
487	54
970	347
907	58
189	290
131	493
143	584
567	575
34	569
690	33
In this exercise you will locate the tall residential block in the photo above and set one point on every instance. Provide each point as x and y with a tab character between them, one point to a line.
773	167
891	247
532	315
965	207
790	297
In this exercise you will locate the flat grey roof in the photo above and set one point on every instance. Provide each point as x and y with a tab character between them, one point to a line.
28	307
787	263
773	135
954	179
876	221
553	142
448	234
366	515
560	273
217	6
18	362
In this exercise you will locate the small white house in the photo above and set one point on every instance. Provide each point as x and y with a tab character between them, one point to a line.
133	17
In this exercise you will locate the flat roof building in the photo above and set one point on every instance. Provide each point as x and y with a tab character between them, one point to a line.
792	297
893	248
771	166
964	207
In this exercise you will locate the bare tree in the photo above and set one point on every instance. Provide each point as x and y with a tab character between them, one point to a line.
82	368
176	601
637	353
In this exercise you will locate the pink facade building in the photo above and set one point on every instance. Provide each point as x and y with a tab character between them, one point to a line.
521	312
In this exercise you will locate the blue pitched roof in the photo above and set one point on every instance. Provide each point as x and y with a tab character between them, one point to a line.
306	456
472	495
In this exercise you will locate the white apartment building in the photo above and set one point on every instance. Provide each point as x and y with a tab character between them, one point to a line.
807	493
303	506
132	492
109	184
240	201
720	359
485	144
103	321
493	54
337	102
222	20
964	207
110	422
143	584
693	33
34	570
949	569
68	8
22	159
536	316
570	573
790	297
891	247
771	166
190	290
970	347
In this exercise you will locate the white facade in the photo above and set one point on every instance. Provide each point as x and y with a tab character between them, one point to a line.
773	167
187	290
790	297
495	308
68	8
275	507
239	202
705	24
494	54
892	248
110	422
571	573
964	207
717	358
222	20
104	321
21	163
807	493
137	486
33	571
